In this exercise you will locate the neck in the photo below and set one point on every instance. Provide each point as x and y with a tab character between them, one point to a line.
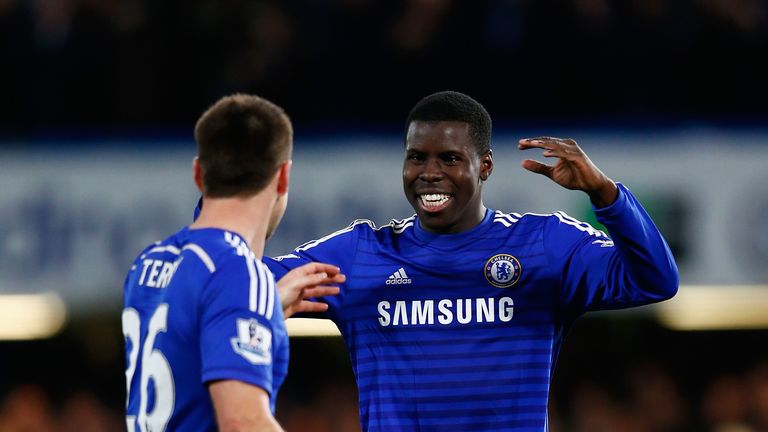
247	217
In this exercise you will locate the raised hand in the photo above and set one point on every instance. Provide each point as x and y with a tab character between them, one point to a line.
305	282
572	170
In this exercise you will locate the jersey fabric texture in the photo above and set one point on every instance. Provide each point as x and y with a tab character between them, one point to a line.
199	307
461	331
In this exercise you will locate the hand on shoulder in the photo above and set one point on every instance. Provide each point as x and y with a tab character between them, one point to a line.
306	282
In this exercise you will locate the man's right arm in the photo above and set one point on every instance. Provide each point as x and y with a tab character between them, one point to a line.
242	407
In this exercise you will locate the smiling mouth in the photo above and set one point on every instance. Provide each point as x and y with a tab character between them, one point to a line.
434	202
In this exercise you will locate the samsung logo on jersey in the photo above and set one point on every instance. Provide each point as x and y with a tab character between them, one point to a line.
445	311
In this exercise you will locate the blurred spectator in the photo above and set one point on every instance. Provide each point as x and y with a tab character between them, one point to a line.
120	63
83	412
758	396
725	404
27	409
656	400
650	401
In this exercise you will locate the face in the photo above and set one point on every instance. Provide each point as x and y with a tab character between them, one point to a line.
443	176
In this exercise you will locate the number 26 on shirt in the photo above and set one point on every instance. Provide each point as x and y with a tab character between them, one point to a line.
154	367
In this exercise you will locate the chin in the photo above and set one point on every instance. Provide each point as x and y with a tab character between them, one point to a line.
434	223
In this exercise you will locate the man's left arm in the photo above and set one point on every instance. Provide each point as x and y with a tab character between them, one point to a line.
633	267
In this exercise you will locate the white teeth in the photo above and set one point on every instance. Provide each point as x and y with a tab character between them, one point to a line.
434	200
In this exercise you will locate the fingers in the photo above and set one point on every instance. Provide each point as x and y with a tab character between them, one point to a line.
558	146
327	273
300	281
320	291
538	167
303	304
308	281
336	279
543	141
538	142
316	267
309	306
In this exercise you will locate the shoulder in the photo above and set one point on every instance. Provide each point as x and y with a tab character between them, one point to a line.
512	219
558	221
562	221
217	249
353	228
237	274
398	226
165	250
360	228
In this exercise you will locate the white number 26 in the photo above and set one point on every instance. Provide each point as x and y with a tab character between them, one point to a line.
154	366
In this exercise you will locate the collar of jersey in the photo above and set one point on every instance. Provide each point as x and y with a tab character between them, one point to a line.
210	231
451	240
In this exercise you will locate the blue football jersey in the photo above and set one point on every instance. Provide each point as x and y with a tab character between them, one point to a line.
460	332
199	307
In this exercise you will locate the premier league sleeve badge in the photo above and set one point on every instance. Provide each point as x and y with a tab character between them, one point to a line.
253	341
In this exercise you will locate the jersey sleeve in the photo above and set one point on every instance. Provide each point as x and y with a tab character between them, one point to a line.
632	267
338	248
237	324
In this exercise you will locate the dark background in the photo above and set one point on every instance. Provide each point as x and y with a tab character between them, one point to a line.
128	65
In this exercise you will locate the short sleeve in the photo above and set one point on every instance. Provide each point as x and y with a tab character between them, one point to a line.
238	323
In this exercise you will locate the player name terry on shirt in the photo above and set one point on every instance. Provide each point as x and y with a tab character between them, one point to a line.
422	312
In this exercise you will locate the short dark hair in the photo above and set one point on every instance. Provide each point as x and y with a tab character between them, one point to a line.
241	141
455	106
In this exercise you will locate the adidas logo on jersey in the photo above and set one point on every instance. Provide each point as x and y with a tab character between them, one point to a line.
398	278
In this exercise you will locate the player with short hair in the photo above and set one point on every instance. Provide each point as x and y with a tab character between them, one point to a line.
206	344
454	317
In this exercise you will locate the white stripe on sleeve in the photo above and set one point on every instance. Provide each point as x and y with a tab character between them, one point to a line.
270	294
253	283
263	287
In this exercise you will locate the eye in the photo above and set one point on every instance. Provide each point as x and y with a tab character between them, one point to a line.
414	157
451	158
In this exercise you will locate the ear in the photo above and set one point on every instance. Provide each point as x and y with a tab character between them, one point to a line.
283	177
486	165
197	174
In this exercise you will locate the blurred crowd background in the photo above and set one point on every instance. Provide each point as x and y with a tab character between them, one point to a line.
141	62
134	75
614	375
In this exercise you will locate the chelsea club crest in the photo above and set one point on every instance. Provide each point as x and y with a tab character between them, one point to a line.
503	270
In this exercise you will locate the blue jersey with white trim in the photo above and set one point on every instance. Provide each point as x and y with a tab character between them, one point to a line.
461	331
199	307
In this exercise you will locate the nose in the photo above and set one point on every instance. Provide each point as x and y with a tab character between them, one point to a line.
432	172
